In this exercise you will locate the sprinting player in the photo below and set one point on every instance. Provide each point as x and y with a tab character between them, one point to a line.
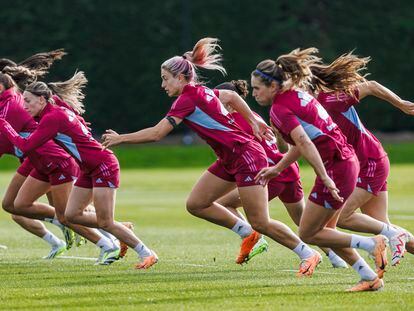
286	186
306	125
99	176
339	87
46	169
240	157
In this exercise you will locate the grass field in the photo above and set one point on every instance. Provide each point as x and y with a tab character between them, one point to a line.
196	269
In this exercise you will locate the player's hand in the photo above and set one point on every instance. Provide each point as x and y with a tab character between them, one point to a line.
261	130
330	184
266	174
110	138
407	107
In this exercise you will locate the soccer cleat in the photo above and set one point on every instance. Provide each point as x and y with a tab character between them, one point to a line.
379	254
338	262
109	257
80	240
56	250
246	247
69	235
397	246
123	247
260	247
307	266
365	286
147	262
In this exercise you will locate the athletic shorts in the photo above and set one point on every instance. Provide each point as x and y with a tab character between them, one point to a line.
25	168
373	175
66	170
242	166
106	175
288	192
344	173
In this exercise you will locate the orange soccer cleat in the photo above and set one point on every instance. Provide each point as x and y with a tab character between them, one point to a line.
380	254
123	247
308	265
367	286
246	246
147	262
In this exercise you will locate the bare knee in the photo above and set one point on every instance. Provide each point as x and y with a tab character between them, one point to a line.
71	216
260	225
16	218
307	235
21	204
8	206
194	207
106	224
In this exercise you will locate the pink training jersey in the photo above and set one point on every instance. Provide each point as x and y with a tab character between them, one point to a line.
340	107
11	110
293	108
201	110
291	173
61	124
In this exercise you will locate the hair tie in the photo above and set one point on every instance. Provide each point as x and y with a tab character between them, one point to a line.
185	57
266	76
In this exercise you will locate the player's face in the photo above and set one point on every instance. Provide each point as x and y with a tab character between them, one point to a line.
262	93
33	104
173	86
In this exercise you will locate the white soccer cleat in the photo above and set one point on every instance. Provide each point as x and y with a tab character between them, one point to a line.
397	246
56	250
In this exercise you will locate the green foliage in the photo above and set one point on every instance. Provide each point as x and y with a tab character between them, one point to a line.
120	46
153	156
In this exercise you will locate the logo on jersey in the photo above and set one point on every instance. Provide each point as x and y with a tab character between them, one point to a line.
248	178
62	177
99	181
305	98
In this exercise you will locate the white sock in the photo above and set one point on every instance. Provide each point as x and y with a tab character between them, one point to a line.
142	250
364	270
54	221
105	243
389	231
303	251
113	239
242	228
362	242
52	239
332	255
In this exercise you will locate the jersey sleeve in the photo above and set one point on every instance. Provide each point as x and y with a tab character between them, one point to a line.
284	119
340	102
181	108
46	130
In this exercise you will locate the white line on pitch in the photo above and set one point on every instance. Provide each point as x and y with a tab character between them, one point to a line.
316	272
3	246
75	257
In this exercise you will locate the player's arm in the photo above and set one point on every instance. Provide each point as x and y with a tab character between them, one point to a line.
281	144
44	132
373	88
231	98
150	134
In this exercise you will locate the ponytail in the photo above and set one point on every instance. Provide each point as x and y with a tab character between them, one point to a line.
340	75
70	91
289	70
204	55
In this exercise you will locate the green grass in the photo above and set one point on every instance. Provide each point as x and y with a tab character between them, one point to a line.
167	156
196	269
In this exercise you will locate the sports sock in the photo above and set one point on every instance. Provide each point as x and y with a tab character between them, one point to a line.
364	270
142	250
242	228
52	239
303	251
362	242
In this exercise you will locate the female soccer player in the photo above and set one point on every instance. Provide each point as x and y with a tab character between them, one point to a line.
240	157
339	87
306	125
99	176
287	186
48	168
